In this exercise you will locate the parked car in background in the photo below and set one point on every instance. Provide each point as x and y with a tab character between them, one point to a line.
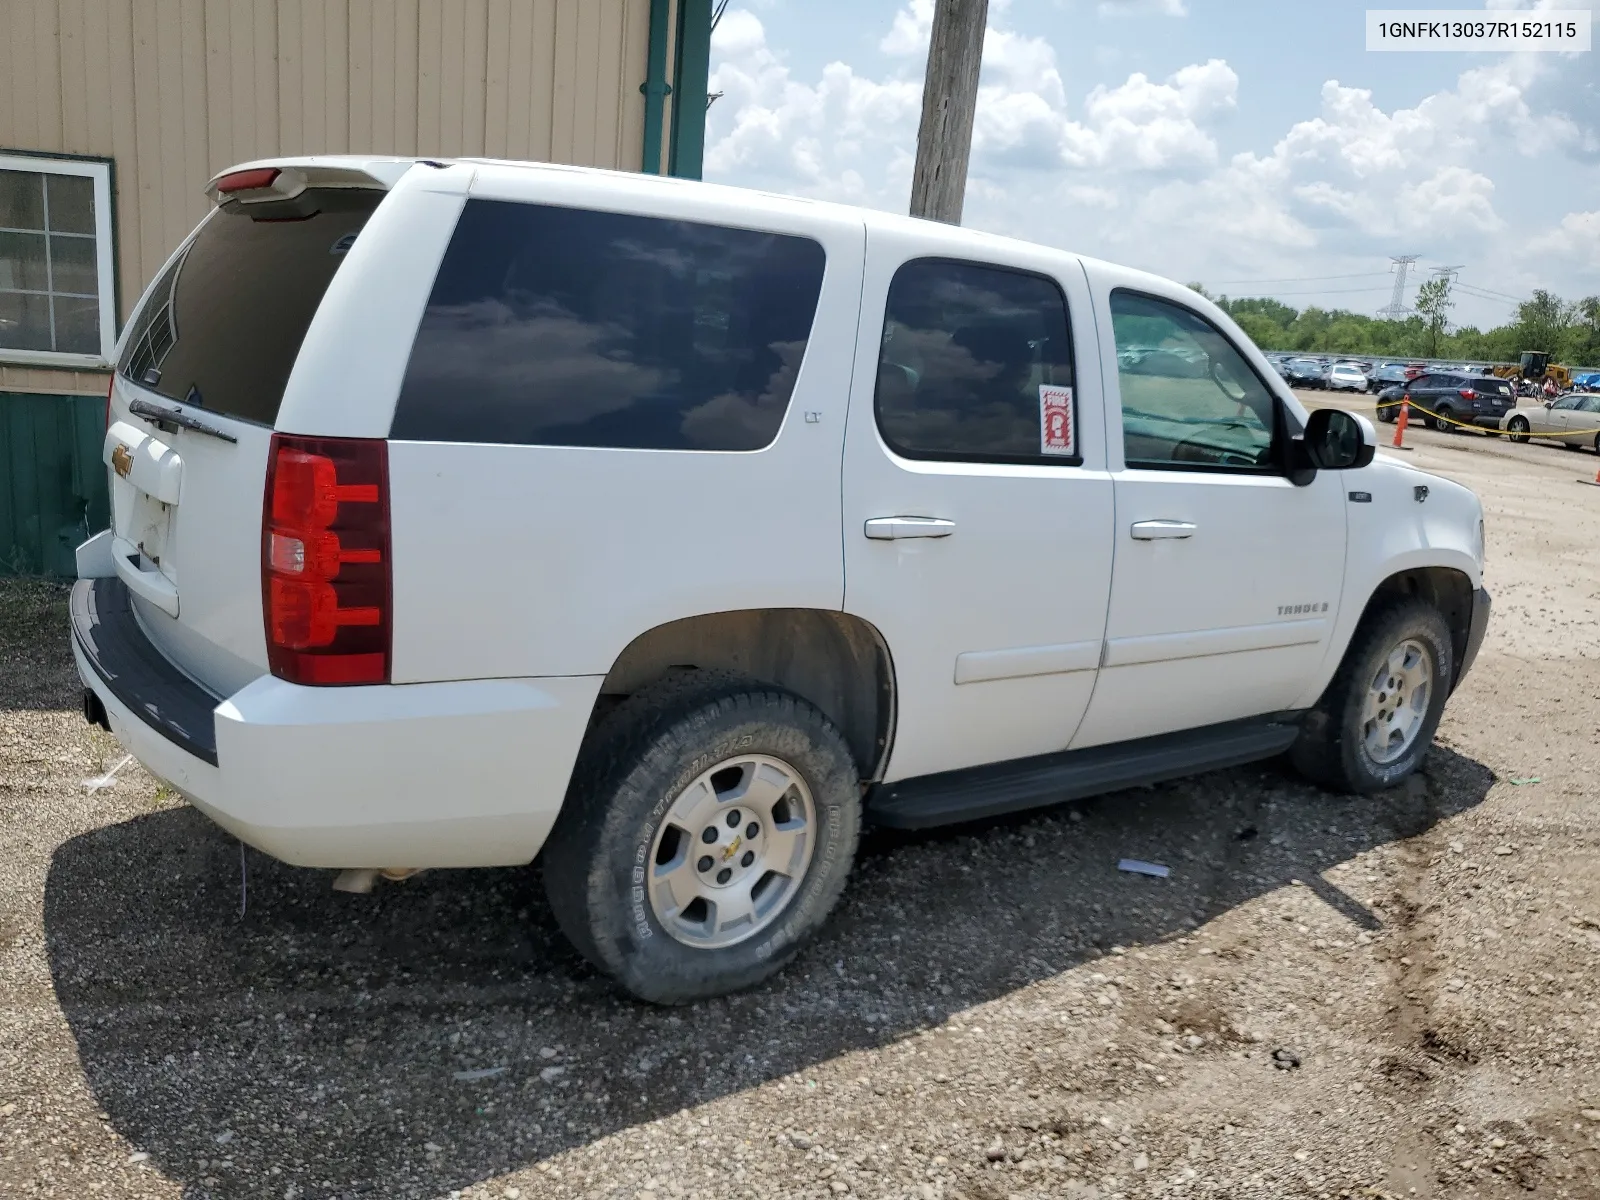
1389	374
1571	420
1346	377
1447	400
1306	373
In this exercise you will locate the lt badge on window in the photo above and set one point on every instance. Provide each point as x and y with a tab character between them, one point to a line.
1056	435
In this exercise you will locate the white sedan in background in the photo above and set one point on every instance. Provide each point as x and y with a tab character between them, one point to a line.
1573	420
1346	377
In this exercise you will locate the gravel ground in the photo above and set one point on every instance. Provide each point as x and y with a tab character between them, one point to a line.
1393	996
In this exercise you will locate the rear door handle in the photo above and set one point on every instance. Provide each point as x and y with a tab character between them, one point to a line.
888	529
1149	531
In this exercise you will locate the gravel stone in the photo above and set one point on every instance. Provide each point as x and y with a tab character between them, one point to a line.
141	1015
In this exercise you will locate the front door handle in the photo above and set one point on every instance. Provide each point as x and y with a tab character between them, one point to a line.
888	529
1149	531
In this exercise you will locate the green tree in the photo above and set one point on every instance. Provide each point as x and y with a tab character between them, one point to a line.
1434	304
1263	331
1543	321
1275	311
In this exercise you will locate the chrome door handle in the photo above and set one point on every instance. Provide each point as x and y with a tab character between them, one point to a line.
888	529
1149	531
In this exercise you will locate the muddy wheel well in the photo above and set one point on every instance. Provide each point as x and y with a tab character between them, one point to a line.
838	662
1447	590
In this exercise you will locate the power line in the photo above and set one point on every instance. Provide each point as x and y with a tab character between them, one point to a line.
1495	294
1297	279
1314	292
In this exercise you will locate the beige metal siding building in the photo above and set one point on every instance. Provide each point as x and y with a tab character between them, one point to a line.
139	102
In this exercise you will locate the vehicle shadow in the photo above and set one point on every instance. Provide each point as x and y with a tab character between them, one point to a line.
315	1044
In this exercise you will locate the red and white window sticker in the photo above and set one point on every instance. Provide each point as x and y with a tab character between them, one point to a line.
1056	435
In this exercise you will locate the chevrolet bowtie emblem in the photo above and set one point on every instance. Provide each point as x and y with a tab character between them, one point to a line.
121	460
733	848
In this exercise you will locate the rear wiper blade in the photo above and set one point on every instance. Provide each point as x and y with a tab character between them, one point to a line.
154	412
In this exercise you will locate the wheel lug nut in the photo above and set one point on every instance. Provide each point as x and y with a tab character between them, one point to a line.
749	857
751	830
708	834
733	819
705	863
724	875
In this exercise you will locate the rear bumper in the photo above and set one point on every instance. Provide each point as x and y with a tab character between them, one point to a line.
460	774
1475	631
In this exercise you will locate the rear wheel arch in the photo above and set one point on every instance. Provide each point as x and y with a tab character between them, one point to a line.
836	661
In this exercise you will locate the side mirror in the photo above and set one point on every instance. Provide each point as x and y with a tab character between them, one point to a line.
1336	440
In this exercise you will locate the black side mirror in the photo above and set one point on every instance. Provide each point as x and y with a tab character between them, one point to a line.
1336	440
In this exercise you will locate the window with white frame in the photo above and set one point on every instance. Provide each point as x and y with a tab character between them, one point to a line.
57	283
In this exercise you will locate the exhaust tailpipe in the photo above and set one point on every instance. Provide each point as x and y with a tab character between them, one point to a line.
94	712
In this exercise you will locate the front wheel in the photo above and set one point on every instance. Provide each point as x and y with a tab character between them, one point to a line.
707	834
1376	720
1518	428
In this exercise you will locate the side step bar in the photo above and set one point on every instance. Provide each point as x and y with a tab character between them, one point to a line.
991	791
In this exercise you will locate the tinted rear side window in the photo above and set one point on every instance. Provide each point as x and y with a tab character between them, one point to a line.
223	326
976	365
566	327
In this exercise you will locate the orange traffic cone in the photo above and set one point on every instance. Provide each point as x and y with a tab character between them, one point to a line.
1400	424
1595	482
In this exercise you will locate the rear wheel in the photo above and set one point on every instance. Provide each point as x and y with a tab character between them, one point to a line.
1374	724
1518	428
1442	422
707	834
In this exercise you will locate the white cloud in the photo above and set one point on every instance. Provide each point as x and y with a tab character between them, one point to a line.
837	136
1134	171
1576	239
1123	8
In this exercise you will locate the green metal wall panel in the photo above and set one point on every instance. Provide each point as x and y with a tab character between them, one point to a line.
52	482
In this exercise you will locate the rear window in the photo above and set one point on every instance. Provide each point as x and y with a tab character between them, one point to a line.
224	324
566	327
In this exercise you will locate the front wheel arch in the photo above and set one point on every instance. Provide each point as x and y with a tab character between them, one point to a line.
1445	588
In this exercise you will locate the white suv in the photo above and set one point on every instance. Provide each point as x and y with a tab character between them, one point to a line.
466	512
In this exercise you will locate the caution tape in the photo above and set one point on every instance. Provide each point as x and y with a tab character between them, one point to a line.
1415	407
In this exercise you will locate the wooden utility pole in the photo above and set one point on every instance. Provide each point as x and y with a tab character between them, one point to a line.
949	98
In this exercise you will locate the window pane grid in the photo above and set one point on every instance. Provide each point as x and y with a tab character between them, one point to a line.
88	237
7	291
51	311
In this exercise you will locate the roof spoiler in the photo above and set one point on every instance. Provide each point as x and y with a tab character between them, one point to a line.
269	180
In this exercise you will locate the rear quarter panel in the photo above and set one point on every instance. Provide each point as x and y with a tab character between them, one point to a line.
543	560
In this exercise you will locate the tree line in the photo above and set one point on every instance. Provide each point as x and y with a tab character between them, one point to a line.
1568	331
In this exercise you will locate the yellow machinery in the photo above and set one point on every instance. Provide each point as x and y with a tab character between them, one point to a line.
1535	365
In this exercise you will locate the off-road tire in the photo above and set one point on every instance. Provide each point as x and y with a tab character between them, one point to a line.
634	763
1330	750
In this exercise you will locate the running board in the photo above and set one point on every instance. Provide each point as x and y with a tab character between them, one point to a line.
1007	787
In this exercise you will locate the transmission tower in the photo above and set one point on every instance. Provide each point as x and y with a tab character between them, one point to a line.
1449	273
1396	308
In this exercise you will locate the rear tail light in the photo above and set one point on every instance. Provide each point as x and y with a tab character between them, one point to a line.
325	578
1466	393
248	181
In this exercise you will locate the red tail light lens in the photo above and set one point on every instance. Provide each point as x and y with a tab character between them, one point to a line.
1467	393
325	579
247	181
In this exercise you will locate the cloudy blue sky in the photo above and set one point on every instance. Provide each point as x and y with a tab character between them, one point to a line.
1257	147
